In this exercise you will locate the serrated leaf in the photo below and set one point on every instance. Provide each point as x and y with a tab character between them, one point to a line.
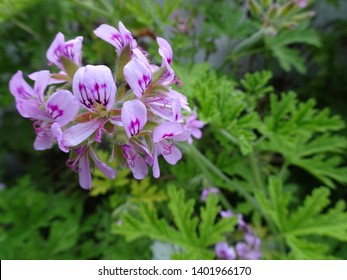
289	59
195	243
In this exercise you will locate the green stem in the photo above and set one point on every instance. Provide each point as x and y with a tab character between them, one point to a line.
229	136
256	172
254	38
209	168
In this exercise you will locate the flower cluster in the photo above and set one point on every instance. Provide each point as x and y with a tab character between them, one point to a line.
246	248
134	110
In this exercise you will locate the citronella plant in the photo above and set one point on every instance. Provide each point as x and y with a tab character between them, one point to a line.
135	110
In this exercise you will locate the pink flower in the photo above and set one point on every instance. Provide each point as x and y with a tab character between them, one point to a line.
193	125
60	108
95	90
301	3
145	121
138	75
81	164
118	39
134	117
135	160
163	137
70	49
206	192
224	251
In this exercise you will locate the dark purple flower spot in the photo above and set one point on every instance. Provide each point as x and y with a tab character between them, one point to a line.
168	149
134	127
129	154
22	93
54	111
116	37
167	135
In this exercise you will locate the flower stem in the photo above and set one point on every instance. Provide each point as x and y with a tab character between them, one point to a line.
256	172
254	38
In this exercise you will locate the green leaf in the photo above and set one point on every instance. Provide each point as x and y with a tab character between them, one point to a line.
310	221
303	135
122	60
276	206
289	59
192	234
143	191
69	66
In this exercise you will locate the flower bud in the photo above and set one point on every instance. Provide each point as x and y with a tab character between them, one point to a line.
254	7
273	11
287	8
304	16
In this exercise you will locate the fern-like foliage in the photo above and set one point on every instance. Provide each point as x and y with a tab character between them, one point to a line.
290	58
302	225
305	137
194	235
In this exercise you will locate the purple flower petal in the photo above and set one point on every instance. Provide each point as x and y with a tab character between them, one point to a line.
241	249
30	108
111	35
224	252
58	135
19	88
62	106
226	213
94	85
43	78
156	168
134	117
138	76
206	192
176	110
135	161
44	139
108	171
127	38
165	51
85	178
169	151
77	133
35	76
118	39
166	130
59	48
183	99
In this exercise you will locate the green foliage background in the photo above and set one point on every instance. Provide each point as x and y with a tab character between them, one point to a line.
273	98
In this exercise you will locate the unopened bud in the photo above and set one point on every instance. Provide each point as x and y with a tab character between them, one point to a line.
254	7
272	13
287	8
304	16
289	25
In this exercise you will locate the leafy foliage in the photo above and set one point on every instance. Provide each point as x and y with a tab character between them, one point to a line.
265	146
192	234
298	226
